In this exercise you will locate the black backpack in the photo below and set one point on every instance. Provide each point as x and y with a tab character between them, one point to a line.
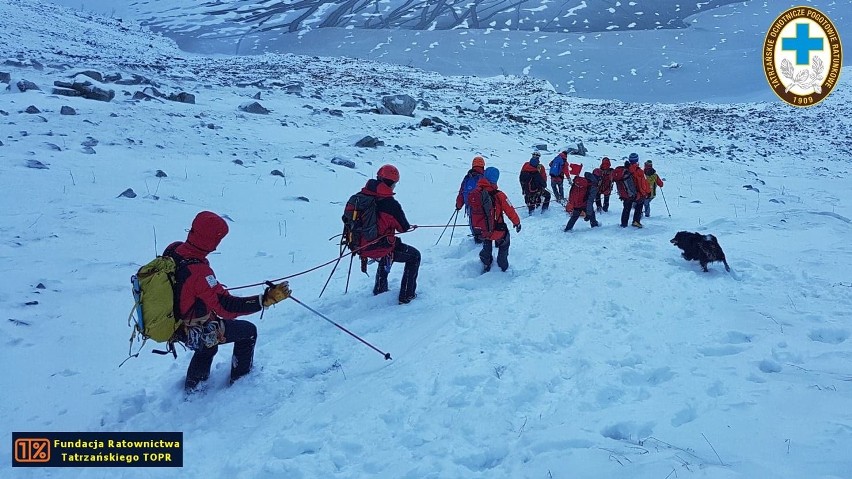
360	223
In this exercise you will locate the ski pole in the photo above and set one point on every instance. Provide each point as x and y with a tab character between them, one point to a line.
329	276
665	202
455	212
349	273
386	355
452	231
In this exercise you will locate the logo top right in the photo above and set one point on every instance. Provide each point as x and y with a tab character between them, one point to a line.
802	56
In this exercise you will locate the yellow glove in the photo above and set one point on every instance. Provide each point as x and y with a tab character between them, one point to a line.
276	293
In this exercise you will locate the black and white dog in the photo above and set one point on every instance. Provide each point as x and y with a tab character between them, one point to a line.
702	248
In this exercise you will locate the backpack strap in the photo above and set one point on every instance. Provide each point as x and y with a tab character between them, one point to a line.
489	215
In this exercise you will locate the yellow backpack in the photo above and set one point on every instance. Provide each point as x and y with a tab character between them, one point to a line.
154	293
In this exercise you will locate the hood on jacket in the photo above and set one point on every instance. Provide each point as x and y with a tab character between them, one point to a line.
529	167
377	188
207	231
605	164
486	185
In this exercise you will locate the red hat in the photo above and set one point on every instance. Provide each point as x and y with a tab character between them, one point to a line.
605	163
478	162
207	231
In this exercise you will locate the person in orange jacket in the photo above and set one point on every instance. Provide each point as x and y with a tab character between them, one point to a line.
487	206
468	183
654	181
643	191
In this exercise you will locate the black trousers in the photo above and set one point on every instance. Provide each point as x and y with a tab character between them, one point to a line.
402	253
537	198
575	214
502	252
629	204
603	205
240	332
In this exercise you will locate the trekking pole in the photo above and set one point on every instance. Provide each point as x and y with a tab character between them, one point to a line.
386	355
330	275
349	273
665	202
452	231
456	212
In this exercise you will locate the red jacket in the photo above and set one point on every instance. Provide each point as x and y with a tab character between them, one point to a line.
501	205
390	218
201	295
606	177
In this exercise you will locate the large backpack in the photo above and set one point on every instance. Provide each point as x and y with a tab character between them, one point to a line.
482	213
624	182
468	184
156	292
556	165
360	223
577	196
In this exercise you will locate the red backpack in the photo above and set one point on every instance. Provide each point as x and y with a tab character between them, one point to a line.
481	213
624	182
577	195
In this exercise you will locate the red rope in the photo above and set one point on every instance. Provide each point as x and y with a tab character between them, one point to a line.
324	264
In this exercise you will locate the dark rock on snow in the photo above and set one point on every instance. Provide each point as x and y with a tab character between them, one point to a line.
37	165
32	110
254	107
398	105
67	110
369	142
93	75
128	193
5	77
66	92
277	173
161	174
343	162
24	85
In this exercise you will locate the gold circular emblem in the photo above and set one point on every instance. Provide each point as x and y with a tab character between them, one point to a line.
802	56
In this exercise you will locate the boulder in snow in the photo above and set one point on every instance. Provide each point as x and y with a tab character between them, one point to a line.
128	193
399	105
5	77
343	162
254	107
24	85
67	110
369	142
32	110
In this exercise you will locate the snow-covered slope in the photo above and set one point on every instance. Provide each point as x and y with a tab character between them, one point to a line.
600	353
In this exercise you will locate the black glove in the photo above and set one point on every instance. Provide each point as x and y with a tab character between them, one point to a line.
518	227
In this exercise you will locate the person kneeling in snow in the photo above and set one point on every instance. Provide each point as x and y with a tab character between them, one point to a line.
487	205
206	308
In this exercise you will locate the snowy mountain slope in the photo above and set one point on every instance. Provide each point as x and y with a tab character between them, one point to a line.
594	49
601	353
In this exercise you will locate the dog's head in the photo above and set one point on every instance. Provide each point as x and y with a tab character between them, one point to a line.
682	238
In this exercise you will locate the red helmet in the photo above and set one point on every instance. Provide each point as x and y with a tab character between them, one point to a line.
388	172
